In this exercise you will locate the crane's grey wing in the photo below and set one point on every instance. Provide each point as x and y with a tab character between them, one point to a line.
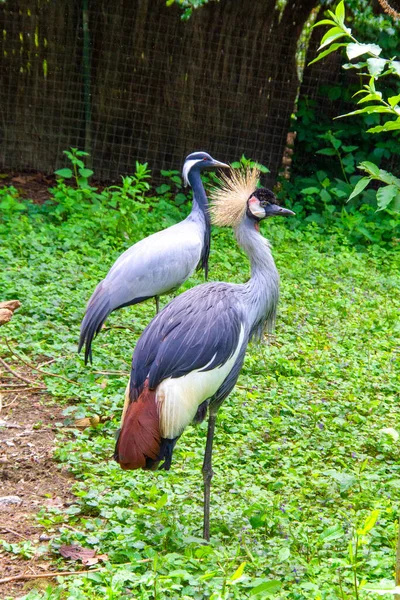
198	331
153	266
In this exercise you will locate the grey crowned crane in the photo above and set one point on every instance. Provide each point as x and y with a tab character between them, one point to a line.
190	355
157	264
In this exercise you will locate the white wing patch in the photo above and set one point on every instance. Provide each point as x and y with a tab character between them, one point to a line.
186	168
178	399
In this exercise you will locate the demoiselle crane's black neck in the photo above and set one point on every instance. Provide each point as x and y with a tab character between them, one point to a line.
200	213
261	292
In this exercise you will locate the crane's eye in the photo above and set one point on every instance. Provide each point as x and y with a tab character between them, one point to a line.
205	158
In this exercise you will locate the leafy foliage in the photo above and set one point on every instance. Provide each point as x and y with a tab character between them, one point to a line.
334	196
188	6
303	455
374	67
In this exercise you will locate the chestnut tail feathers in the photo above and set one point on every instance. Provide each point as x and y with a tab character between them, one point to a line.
139	441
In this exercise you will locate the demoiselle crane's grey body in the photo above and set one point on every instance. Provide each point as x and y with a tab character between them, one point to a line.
157	264
190	355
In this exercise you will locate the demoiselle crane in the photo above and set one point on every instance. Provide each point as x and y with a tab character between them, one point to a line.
190	355
157	264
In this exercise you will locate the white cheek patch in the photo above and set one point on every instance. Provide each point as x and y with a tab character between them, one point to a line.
255	208
186	168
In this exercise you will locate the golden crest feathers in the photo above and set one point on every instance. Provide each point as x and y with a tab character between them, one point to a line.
228	201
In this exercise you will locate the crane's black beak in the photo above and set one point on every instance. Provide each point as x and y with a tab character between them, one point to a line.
273	210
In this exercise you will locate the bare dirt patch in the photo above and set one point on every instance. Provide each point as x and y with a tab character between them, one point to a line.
34	186
29	474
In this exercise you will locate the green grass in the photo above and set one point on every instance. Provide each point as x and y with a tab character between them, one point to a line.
300	458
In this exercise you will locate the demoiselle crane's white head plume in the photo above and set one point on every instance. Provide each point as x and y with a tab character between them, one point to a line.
198	161
238	194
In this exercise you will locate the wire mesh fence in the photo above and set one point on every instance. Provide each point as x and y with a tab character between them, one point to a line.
131	83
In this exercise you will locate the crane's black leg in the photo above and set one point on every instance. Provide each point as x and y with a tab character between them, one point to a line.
207	475
157	304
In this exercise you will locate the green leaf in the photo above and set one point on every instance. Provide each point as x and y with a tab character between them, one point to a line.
369	110
283	554
239	572
339	12
370	167
355	49
324	22
392	432
326	52
310	190
384	196
395	66
350	148
266	588
325	196
371	519
330	33
376	66
85	172
326	151
333	34
330	534
370	97
65	173
388	178
163	188
359	187
389	126
161	501
180	199
359	65
394	100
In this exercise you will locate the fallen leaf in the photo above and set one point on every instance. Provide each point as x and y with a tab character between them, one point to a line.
21	179
56	502
93	561
87	422
86	555
10	304
77	553
5	315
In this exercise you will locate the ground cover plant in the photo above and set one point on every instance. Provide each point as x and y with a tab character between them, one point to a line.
305	495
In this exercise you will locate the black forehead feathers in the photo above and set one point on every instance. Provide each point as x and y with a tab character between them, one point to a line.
265	195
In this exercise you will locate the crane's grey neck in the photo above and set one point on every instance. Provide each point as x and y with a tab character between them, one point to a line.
262	289
199	194
200	214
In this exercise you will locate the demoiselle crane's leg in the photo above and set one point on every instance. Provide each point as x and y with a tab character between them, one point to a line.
208	474
157	304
